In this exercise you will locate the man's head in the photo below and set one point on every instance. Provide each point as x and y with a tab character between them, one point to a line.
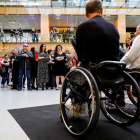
16	51
137	30
94	7
25	47
12	50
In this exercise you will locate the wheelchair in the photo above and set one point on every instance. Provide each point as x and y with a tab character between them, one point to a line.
105	85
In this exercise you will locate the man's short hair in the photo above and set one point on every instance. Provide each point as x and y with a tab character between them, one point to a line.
93	6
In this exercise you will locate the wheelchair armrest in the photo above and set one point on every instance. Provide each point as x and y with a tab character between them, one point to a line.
107	63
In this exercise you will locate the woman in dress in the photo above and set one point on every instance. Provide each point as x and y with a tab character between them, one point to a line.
34	67
42	70
59	66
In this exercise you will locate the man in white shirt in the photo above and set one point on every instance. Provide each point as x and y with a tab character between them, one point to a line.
132	57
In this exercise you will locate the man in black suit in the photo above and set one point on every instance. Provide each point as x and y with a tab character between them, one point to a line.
96	39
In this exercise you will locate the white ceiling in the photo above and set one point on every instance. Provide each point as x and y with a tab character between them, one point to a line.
20	21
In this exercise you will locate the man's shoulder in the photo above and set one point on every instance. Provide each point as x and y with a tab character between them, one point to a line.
95	20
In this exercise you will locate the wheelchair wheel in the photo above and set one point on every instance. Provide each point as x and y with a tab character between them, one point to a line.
79	102
119	105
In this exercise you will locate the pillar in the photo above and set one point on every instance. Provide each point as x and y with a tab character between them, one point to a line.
120	23
45	28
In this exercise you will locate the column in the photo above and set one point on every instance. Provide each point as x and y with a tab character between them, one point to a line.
120	23
45	28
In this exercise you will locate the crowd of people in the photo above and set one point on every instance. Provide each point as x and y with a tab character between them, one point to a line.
43	68
65	35
18	35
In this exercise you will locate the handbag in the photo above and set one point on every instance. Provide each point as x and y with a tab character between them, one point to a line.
3	69
66	64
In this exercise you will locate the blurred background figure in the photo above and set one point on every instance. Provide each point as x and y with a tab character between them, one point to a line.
16	35
12	35
20	34
33	34
37	35
56	34
1	35
51	36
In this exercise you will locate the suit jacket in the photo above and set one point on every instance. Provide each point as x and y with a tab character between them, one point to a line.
97	40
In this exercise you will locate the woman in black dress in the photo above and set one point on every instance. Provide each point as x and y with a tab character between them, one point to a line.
33	67
59	67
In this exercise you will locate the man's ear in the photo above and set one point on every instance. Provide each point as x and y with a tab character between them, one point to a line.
86	15
102	12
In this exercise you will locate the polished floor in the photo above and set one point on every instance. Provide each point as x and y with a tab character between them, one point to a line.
13	99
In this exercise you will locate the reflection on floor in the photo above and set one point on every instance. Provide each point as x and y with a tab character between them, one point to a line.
13	99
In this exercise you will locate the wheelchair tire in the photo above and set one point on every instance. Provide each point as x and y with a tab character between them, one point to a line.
80	124
122	111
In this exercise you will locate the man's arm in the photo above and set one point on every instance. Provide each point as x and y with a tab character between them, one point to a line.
79	43
134	52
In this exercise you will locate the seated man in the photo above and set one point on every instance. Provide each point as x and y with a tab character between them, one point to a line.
96	39
132	57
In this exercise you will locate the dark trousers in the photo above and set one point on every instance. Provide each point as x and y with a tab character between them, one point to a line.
28	75
15	76
5	75
51	74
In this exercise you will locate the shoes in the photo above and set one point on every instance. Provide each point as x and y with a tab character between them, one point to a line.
46	87
82	108
7	86
23	86
51	87
13	88
75	109
19	89
30	88
3	86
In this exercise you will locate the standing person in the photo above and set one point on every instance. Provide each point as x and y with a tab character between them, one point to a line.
52	36
33	67
67	37
20	34
2	35
16	35
12	35
5	70
15	69
64	35
69	58
37	34
33	34
56	33
42	70
25	57
51	70
59	69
